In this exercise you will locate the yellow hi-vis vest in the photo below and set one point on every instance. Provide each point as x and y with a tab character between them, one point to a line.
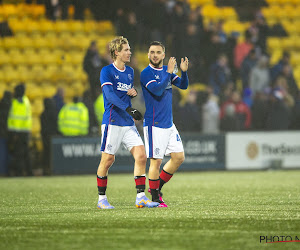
19	118
99	108
73	119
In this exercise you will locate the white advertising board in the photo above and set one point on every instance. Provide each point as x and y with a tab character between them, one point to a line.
258	150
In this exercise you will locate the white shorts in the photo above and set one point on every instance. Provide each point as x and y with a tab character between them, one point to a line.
162	141
113	136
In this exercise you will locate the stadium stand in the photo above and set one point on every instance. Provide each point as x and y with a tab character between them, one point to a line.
45	54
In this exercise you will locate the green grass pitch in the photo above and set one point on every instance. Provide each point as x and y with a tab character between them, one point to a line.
207	210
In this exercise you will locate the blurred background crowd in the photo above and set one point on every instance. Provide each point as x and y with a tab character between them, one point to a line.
244	67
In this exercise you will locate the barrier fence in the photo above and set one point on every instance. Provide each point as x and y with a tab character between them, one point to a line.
230	151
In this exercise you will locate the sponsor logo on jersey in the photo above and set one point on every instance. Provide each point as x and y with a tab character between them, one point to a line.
123	86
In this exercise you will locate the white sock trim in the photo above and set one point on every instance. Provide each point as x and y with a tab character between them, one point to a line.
102	197
140	195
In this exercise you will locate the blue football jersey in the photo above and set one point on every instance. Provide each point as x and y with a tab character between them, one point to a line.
157	90
115	83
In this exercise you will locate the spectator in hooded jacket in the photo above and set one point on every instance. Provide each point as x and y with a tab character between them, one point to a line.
48	129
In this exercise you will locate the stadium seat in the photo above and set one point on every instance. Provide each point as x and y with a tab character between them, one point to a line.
36	126
4	58
25	43
37	106
9	42
76	27
9	10
47	26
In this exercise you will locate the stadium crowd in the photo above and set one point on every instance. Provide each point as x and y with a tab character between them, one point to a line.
241	90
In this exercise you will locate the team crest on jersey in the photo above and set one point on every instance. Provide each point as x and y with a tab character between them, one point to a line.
130	77
156	77
117	77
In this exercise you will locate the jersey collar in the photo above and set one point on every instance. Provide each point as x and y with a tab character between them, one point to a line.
121	70
160	69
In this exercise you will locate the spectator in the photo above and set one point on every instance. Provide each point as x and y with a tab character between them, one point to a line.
191	113
220	74
230	120
93	122
19	125
5	104
242	50
260	109
260	75
210	114
158	19
99	109
178	23
247	65
277	69
279	115
58	99
79	7
220	32
263	32
52	9
229	47
247	97
242	111
92	65
295	119
73	119
281	84
211	49
193	53
64	5
287	73
48	129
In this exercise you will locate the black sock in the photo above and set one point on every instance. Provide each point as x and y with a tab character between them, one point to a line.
161	183
155	195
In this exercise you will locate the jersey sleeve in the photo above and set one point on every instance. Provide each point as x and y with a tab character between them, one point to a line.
105	77
156	88
108	90
182	82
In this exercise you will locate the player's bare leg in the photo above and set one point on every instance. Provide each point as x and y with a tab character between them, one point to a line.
170	168
174	163
106	162
166	174
140	158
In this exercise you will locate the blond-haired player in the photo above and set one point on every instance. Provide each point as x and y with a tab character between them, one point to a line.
118	125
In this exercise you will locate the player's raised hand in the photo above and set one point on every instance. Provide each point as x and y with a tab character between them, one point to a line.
134	113
171	65
184	65
132	92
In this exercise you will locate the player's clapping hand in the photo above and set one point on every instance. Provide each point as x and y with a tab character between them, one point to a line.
184	65
171	65
132	92
134	113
